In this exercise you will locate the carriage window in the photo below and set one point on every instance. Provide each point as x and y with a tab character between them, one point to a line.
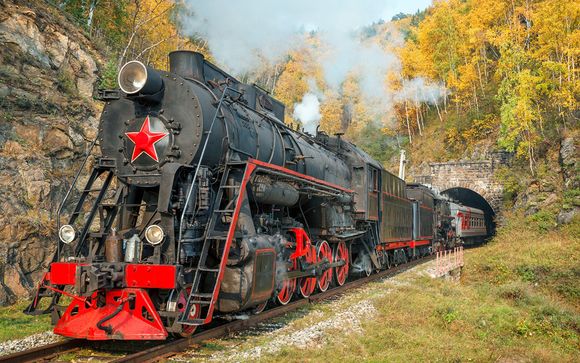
373	175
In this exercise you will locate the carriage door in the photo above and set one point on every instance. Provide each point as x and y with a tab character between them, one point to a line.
373	194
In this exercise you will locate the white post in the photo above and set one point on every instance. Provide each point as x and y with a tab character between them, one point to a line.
402	162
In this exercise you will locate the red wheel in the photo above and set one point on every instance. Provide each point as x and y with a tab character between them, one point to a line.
308	284
287	290
258	309
341	254
180	304
324	251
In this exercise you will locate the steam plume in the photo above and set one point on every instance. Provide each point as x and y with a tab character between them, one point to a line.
308	112
241	34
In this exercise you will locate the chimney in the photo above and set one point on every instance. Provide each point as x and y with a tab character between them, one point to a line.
187	64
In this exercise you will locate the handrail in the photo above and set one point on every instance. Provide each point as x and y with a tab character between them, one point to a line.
65	199
198	166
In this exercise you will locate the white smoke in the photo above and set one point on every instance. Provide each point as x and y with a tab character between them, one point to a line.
242	34
308	112
421	90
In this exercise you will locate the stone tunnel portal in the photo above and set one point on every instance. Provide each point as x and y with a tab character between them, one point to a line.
473	199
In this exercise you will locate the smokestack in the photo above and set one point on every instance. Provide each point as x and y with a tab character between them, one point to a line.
187	64
402	162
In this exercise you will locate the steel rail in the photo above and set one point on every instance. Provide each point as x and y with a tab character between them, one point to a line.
170	348
158	352
45	352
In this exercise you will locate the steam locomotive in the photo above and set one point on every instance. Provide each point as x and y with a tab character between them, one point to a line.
203	203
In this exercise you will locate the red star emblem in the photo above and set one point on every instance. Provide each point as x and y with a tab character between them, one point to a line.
145	140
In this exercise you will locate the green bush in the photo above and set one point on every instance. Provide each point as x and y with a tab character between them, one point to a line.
448	314
65	83
543	221
512	183
108	78
571	199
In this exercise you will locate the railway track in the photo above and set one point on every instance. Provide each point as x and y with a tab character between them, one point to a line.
45	352
163	350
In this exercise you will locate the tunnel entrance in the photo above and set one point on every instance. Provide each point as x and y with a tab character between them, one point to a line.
473	199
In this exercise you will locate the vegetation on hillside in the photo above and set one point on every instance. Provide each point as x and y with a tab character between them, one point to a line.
509	69
146	30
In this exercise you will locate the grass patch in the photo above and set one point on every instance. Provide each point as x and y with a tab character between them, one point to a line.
517	301
14	324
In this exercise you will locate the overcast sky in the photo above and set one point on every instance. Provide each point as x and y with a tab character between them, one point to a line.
394	7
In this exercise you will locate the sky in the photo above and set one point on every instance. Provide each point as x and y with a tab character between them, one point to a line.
394	7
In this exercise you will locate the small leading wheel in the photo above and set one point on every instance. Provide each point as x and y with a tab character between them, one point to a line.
368	266
341	254
180	304
258	309
324	251
308	284
287	290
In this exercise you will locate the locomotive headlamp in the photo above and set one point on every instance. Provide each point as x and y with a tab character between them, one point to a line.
154	234
132	77
135	77
66	233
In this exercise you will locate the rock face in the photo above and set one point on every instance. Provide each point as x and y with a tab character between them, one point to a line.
47	118
569	161
570	164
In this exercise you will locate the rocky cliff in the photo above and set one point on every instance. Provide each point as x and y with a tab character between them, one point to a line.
48	70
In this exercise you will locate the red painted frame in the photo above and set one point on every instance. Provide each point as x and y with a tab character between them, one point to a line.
402	244
297	174
136	275
303	243
150	276
63	273
250	167
136	320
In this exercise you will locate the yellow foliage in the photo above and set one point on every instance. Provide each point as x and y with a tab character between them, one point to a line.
153	33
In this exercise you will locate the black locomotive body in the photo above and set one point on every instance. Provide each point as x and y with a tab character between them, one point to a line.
203	203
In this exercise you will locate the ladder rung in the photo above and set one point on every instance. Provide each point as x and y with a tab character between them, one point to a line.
211	233
92	190
200	302
207	295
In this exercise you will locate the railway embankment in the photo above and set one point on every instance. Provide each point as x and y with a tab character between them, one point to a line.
516	301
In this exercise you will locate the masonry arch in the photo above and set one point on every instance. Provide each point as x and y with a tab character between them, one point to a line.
471	198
